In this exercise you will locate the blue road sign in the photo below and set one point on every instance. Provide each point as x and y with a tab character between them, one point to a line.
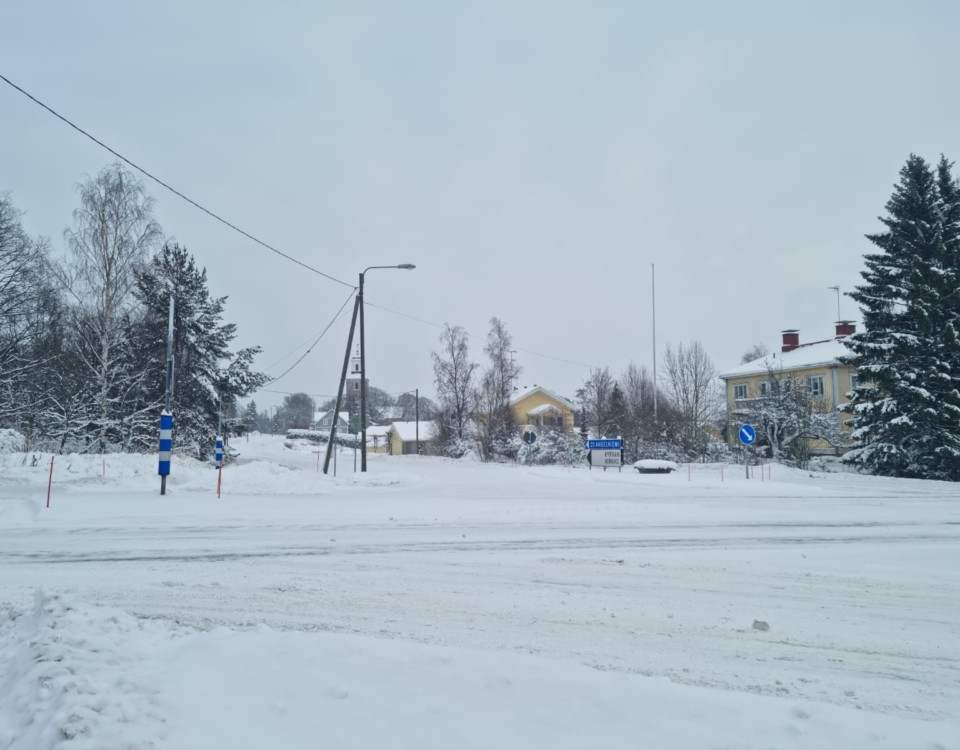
748	435
529	437
604	445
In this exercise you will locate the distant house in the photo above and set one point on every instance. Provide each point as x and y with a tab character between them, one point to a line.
542	408
324	421
403	437
815	366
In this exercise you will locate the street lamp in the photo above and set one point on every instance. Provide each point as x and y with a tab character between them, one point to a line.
363	367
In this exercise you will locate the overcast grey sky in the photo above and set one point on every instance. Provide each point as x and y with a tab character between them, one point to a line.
533	159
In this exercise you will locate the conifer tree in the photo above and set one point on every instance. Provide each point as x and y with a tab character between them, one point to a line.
905	407
250	416
209	377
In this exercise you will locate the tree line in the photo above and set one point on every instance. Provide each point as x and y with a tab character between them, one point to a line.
83	340
680	418
299	411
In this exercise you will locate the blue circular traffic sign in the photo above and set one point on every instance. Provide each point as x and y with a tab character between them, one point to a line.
748	435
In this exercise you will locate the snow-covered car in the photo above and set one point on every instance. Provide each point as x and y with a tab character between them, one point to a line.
654	466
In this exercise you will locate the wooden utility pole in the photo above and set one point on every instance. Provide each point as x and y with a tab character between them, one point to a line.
343	378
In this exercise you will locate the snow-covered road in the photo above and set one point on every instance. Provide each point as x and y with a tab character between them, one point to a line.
858	578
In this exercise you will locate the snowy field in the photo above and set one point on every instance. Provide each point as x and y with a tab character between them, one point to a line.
437	604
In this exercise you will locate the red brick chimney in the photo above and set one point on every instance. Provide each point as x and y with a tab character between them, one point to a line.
791	340
846	328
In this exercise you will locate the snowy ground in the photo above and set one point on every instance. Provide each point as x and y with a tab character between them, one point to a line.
439	604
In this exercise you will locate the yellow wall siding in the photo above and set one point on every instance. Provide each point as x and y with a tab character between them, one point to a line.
753	383
830	396
396	444
524	406
380	447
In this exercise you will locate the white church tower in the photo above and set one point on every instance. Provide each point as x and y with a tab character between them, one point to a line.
352	386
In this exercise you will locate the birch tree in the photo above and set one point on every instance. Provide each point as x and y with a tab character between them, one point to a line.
454	376
496	388
112	235
693	387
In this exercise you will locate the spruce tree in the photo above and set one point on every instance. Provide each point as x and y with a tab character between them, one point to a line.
902	410
208	376
948	454
250	416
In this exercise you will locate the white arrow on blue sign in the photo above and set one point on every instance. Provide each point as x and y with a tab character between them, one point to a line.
747	434
605	445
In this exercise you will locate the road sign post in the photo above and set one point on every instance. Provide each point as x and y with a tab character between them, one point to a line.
605	453
748	436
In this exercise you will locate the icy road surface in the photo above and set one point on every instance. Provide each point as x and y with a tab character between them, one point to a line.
858	578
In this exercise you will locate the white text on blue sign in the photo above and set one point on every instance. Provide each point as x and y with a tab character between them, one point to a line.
613	445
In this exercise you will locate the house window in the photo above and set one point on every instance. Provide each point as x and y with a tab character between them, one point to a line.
854	381
356	386
815	386
740	391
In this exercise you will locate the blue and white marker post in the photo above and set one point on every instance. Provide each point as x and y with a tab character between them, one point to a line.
166	416
219	456
748	436
166	448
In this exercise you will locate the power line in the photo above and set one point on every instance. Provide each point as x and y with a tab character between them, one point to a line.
295	393
173	190
290	353
249	236
303	356
480	338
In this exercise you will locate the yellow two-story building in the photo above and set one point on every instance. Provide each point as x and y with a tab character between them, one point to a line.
815	367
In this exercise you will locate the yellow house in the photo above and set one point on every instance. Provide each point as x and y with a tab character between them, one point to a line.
539	407
815	366
406	438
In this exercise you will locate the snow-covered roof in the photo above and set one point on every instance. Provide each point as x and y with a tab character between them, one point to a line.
522	393
542	409
821	353
344	415
407	431
377	434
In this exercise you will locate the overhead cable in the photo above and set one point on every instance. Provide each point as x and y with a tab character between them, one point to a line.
173	190
316	340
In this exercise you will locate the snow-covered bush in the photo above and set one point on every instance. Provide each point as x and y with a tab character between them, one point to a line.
717	452
553	447
11	441
457	448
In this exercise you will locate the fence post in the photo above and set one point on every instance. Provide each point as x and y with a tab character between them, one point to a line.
219	456
50	481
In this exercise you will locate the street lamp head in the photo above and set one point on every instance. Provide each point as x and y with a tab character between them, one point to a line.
407	266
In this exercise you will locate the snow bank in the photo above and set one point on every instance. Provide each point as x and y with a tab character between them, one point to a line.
652	465
79	677
90	677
